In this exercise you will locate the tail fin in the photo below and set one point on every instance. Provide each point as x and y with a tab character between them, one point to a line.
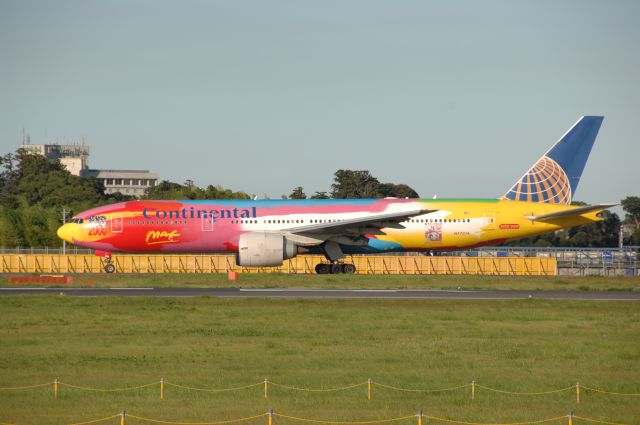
554	178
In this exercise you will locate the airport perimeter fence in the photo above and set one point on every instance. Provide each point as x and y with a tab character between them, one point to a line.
487	260
571	261
302	264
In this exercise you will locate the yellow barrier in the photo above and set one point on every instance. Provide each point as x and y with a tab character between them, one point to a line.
271	414
371	264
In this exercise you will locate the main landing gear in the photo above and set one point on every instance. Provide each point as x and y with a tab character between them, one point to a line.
335	268
333	253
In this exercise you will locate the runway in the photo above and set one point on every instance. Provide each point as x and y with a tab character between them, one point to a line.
330	293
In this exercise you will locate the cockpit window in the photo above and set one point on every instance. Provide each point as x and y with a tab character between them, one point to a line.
77	220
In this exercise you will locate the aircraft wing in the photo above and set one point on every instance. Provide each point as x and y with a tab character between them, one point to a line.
351	229
571	212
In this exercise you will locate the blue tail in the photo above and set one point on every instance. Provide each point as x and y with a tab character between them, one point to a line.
554	178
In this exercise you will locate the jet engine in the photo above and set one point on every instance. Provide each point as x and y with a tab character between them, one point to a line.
262	249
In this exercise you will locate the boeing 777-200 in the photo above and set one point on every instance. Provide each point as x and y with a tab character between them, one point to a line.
264	233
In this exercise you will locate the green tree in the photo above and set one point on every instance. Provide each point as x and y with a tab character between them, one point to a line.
48	183
298	193
390	190
170	190
631	206
319	195
349	184
33	191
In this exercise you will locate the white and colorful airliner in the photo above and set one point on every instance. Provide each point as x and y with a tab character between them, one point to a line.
264	233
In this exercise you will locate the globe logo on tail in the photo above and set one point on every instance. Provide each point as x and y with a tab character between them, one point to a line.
546	181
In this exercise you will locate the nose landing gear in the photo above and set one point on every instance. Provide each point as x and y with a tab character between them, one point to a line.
109	267
106	261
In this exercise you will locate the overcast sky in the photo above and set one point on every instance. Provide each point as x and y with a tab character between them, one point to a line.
454	98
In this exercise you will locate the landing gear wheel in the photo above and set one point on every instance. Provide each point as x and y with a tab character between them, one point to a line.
348	269
109	268
323	268
336	268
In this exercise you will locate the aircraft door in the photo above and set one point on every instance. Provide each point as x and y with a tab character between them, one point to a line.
489	218
116	223
207	223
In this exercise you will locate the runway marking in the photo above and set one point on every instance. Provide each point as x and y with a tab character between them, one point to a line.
370	290
267	290
124	289
27	289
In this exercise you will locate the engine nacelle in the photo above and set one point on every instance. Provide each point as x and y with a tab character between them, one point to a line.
262	249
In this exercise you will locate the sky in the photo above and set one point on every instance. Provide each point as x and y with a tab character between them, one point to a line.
454	98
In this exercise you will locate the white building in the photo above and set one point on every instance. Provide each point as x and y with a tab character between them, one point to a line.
74	157
127	182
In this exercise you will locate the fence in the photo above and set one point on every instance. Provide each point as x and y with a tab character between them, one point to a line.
572	261
418	419
406	265
472	387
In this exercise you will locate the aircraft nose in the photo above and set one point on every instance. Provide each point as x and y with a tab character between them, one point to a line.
66	232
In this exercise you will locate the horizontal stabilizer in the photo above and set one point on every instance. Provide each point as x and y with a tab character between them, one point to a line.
567	213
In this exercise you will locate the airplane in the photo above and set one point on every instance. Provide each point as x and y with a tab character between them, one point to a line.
264	233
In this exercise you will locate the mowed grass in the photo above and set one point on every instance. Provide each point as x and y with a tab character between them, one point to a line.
282	280
517	345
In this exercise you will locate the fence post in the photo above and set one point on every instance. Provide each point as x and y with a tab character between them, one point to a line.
369	389
270	422
570	416
473	390
161	388
55	389
420	415
578	392
266	387
122	415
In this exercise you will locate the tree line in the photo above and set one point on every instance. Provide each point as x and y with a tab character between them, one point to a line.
34	191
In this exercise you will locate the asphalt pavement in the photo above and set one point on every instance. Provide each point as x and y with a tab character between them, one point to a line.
330	293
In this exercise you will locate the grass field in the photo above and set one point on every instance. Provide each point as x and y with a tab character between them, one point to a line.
528	345
280	280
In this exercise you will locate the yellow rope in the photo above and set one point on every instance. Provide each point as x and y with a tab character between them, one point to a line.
420	391
213	389
597	421
379	421
484	423
526	393
26	387
318	389
608	392
96	420
77	387
158	421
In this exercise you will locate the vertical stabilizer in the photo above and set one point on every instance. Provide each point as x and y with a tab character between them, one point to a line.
554	177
